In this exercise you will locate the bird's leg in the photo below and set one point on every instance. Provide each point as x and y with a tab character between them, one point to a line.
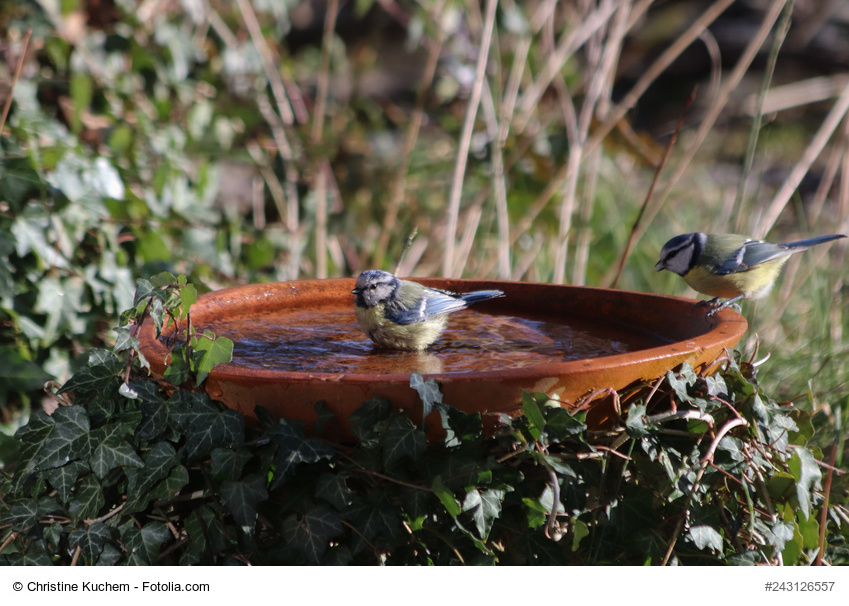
716	307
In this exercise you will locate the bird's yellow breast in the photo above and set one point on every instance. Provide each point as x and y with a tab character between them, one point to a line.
753	283
389	334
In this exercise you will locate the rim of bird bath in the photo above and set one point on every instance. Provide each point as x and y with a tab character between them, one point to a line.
683	331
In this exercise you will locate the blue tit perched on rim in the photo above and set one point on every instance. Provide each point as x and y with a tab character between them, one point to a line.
399	314
729	266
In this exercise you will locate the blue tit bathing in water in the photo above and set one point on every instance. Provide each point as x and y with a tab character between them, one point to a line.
399	314
728	266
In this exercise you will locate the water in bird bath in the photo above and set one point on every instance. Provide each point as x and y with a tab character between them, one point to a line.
298	343
328	339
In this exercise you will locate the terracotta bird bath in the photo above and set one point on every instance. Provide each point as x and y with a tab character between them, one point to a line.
297	343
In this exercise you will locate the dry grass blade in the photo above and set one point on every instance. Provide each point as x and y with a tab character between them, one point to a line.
448	260
829	125
323	168
632	237
18	70
268	60
657	68
780	35
713	112
399	184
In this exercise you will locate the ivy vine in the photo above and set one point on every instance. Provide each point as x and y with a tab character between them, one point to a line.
696	469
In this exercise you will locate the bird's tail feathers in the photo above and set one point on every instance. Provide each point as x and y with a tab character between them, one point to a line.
480	295
813	241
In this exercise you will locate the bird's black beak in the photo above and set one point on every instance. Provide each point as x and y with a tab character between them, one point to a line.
356	291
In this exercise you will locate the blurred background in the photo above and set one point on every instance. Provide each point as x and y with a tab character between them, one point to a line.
552	141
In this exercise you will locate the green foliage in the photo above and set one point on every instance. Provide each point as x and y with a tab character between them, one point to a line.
124	154
135	471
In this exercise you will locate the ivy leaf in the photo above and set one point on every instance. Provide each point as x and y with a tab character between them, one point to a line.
144	544
483	507
88	499
217	350
373	518
293	449
63	479
312	532
31	438
22	516
109	556
158	463
188	297
144	290
153	410
242	497
779	534
62	444
460	428
17	373
123	340
367	420
206	426
128	392
168	488
561	424
402	438
705	537
162	280
332	487
635	425
113	452
98	376
417	506
716	385
91	540
536	420
227	463
445	496
428	391
807	474
205	535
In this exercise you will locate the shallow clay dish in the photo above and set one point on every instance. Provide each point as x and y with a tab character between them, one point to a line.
298	342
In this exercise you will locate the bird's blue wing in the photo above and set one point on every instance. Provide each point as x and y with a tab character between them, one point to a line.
434	304
752	253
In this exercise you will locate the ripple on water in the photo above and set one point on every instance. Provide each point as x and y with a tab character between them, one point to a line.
329	340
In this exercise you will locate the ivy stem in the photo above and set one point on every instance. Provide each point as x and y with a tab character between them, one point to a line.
550	527
708	458
12	536
824	513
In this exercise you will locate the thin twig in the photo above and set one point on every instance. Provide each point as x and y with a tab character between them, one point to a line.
17	75
660	167
109	514
826	490
8	540
407	245
551	531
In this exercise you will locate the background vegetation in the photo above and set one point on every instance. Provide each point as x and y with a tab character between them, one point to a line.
253	140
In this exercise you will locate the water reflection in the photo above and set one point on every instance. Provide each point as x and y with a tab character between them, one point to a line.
328	340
